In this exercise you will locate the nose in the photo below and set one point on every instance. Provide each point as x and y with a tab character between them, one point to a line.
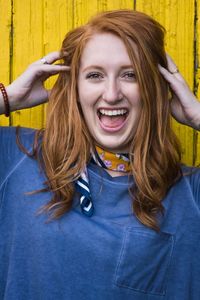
112	92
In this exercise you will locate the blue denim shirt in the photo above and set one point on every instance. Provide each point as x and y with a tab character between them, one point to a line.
107	256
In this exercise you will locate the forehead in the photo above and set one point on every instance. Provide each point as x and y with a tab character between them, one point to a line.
104	48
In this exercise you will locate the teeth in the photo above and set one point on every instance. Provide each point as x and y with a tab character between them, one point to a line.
115	112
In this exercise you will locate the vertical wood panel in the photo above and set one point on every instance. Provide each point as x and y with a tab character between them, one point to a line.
83	9
177	16
5	34
58	20
27	47
120	4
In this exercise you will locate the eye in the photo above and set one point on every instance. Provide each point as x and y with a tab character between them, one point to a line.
94	76
129	75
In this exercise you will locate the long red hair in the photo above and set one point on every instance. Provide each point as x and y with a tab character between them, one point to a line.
154	152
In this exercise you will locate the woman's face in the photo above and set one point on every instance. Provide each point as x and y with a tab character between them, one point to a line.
108	92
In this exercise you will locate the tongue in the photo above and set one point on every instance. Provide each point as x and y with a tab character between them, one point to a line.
113	121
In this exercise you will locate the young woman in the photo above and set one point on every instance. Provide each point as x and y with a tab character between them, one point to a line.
97	205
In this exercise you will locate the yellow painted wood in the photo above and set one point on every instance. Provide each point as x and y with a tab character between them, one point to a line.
5	33
83	9
58	20
120	4
177	16
27	47
39	27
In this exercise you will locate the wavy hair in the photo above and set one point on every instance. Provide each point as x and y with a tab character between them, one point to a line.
154	152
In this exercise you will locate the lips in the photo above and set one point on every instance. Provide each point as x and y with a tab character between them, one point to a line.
112	120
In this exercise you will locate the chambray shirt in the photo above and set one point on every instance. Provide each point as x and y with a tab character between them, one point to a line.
110	255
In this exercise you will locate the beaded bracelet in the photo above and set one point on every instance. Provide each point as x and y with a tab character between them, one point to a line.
5	98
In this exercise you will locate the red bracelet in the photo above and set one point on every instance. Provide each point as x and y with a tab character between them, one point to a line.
5	98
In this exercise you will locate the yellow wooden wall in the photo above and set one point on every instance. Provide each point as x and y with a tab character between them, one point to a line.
30	29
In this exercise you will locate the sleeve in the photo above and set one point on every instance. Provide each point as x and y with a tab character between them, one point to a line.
10	154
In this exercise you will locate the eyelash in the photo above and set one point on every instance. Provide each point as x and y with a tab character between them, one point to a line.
131	75
95	75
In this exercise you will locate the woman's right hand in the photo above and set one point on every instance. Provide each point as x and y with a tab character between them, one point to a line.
28	89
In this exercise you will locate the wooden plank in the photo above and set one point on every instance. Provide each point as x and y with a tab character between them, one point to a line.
6	43
120	4
58	20
83	9
27	47
177	16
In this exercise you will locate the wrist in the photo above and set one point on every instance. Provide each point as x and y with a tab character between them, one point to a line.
4	101
13	102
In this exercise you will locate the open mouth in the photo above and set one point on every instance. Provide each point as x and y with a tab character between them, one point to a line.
112	119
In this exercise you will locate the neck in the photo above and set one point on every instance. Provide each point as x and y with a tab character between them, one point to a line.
115	173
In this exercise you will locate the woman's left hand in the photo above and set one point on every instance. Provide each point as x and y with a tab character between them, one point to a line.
185	107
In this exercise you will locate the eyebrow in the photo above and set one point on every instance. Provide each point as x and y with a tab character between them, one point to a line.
101	69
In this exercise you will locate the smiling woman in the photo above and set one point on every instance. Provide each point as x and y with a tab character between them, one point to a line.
101	55
106	171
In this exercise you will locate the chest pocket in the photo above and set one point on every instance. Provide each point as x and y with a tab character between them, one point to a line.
144	261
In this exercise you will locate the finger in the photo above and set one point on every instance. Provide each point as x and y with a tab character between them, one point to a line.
170	62
54	69
169	76
47	68
177	113
172	67
38	71
48	72
50	58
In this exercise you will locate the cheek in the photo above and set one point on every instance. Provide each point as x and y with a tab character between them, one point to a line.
137	95
88	96
88	92
134	97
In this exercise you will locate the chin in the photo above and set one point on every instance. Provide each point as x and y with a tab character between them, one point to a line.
116	148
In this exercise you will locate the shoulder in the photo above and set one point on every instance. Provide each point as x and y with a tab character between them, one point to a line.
8	141
191	174
8	135
10	153
192	177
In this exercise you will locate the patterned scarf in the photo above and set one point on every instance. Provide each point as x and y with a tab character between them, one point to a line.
107	160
